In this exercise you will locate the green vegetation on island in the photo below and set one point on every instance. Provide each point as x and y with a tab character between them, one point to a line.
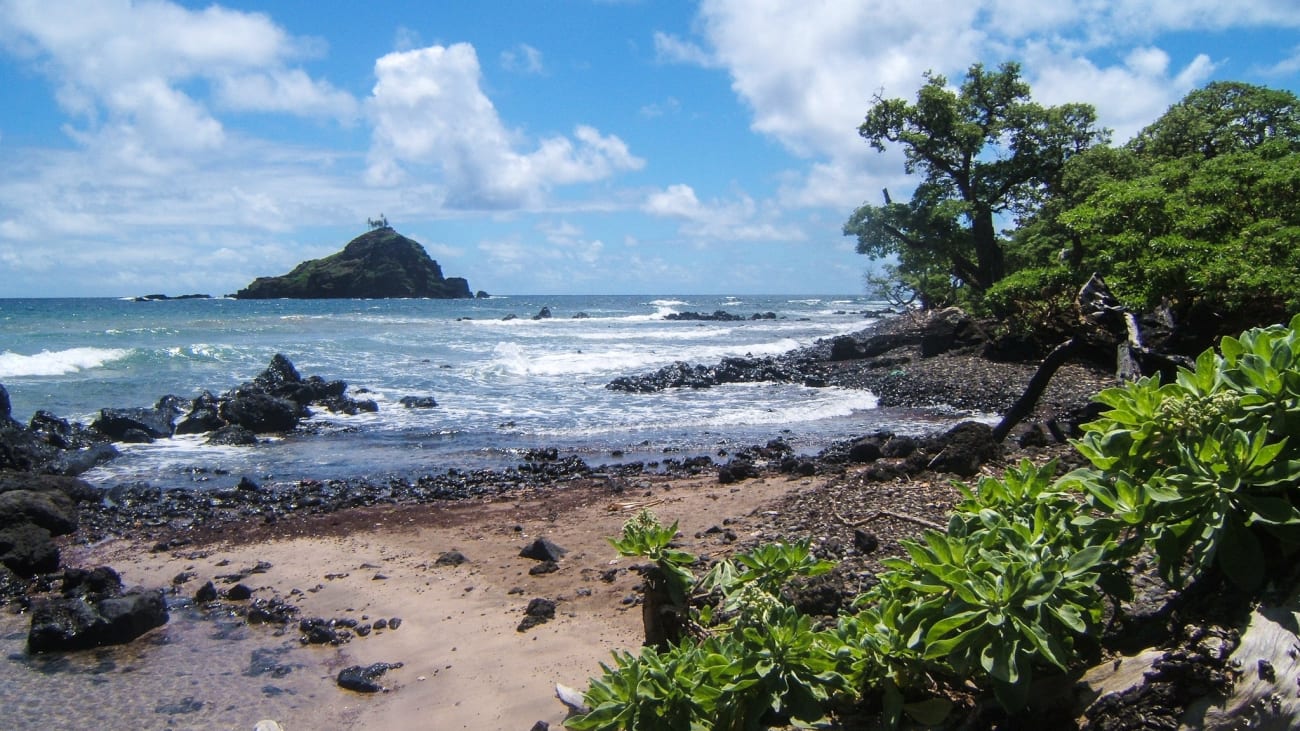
379	264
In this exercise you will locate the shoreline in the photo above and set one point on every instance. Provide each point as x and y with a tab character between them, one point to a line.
356	530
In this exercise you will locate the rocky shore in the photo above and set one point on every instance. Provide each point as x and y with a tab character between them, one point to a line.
313	552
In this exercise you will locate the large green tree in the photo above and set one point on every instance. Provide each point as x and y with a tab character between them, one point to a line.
1197	212
983	151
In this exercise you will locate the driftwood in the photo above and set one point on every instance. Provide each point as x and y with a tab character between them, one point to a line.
1024	405
888	514
1104	322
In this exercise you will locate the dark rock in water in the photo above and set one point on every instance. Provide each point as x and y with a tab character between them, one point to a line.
365	679
317	631
418	402
278	374
379	264
51	510
543	549
206	593
203	416
118	423
22	450
581	316
232	436
539	611
509	317
482	295
6	406
188	704
261	412
51	445
27	550
543	314
76	623
246	484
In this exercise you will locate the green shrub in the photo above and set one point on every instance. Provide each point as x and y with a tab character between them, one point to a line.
1206	468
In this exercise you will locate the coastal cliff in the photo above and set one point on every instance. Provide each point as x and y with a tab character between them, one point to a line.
380	264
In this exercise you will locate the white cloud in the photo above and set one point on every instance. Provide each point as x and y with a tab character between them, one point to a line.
289	91
737	220
430	114
808	71
671	49
126	70
1127	97
522	59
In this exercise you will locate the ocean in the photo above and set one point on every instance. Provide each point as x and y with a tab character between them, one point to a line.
502	385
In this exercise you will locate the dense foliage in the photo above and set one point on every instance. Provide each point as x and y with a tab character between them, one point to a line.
1194	213
1204	471
985	150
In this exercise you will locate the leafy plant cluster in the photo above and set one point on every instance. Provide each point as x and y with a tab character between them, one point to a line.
1204	471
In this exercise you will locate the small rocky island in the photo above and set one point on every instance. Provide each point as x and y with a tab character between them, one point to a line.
380	264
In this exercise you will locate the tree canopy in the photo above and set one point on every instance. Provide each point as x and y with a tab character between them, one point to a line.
983	150
1194	214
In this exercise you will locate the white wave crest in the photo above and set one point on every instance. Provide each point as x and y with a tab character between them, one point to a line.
57	363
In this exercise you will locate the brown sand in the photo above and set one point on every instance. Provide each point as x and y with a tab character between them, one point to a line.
465	665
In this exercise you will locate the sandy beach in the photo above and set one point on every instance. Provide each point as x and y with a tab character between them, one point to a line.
464	664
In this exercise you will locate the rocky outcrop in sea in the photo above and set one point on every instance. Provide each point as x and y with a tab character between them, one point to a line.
380	264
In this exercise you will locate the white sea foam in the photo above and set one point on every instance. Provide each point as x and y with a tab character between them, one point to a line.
57	363
667	303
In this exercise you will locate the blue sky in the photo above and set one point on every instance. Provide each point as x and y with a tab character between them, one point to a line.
584	146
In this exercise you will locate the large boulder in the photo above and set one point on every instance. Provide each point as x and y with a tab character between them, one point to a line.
261	412
962	449
128	424
950	329
77	490
203	416
26	550
80	623
50	510
376	265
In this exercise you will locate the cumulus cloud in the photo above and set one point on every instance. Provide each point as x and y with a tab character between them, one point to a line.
808	71
126	70
740	219
430	114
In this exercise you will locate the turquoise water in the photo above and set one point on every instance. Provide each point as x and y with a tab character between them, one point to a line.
502	385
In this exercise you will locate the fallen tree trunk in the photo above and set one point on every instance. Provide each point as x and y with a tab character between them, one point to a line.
1024	405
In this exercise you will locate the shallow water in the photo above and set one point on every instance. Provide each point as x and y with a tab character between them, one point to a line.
191	673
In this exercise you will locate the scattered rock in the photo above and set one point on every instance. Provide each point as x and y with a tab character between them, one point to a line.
543	549
451	558
365	679
539	611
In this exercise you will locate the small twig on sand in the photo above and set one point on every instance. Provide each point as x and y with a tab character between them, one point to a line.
625	507
887	514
